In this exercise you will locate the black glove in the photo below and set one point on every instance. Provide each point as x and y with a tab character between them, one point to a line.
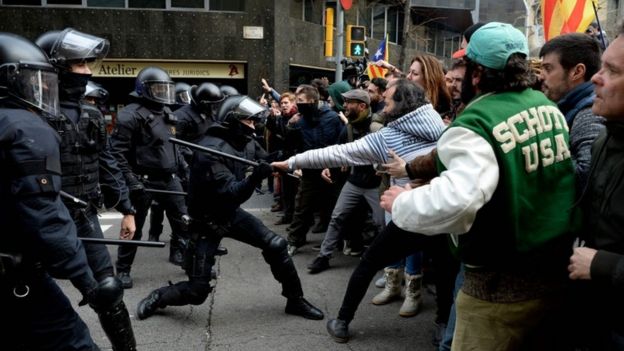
262	171
133	183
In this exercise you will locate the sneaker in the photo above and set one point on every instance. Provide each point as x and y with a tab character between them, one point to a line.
319	264
126	280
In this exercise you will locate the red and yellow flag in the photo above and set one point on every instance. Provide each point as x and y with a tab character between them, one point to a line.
566	16
375	71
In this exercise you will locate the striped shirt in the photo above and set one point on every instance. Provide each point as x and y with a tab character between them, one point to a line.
411	135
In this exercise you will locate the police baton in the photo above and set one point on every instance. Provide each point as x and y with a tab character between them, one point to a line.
73	199
122	242
217	152
166	192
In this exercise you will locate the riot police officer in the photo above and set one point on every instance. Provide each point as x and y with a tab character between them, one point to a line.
195	118
182	94
39	239
95	94
140	142
218	187
86	160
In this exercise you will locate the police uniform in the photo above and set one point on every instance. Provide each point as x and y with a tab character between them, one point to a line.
140	143
39	243
218	186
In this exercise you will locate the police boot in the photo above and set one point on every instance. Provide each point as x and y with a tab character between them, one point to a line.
413	298
148	306
113	314
301	307
176	252
392	290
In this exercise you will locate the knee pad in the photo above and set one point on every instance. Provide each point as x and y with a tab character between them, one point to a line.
276	243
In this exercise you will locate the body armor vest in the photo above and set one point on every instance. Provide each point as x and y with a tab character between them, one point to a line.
155	155
81	144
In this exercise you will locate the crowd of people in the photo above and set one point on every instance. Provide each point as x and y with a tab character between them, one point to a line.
492	179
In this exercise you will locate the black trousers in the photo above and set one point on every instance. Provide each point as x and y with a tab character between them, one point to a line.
390	246
88	226
44	319
200	258
175	207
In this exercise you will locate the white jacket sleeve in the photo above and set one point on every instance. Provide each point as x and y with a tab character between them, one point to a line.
450	202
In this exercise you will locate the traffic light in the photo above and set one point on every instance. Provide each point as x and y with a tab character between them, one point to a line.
355	41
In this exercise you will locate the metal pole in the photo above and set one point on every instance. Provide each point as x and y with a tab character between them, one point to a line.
122	242
166	192
339	40
212	151
599	26
73	199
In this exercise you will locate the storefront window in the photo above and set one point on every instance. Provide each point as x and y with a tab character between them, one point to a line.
64	2
106	3
227	5
195	4
152	4
22	2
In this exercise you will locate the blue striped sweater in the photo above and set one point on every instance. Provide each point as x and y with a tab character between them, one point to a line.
412	135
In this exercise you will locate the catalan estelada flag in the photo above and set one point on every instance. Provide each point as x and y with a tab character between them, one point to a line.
566	16
381	54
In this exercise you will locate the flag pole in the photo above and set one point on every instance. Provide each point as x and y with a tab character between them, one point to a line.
599	26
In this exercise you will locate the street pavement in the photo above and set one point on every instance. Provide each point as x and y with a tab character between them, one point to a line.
246	311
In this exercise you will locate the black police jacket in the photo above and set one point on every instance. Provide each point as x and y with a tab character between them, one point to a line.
218	185
36	225
86	161
140	142
191	124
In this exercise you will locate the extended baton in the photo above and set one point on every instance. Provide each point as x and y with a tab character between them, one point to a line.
168	192
74	199
122	242
217	152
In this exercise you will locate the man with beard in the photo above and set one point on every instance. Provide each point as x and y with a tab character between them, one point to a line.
504	191
568	63
454	78
362	183
217	188
86	161
412	130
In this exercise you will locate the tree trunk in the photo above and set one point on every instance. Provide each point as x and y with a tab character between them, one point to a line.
407	26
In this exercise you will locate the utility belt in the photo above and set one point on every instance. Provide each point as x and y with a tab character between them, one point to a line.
156	176
204	227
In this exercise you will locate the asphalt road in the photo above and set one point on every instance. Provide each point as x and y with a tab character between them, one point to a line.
246	310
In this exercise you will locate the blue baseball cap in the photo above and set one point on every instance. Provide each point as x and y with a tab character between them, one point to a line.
492	44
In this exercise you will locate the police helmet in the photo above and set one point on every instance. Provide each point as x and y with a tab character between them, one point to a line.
228	90
96	92
26	76
206	95
238	108
153	83
182	93
70	46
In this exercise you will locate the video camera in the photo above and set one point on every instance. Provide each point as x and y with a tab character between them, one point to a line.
351	68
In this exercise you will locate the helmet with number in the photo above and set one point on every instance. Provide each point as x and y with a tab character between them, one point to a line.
26	76
206	96
154	84
182	93
228	90
96	92
70	46
238	108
